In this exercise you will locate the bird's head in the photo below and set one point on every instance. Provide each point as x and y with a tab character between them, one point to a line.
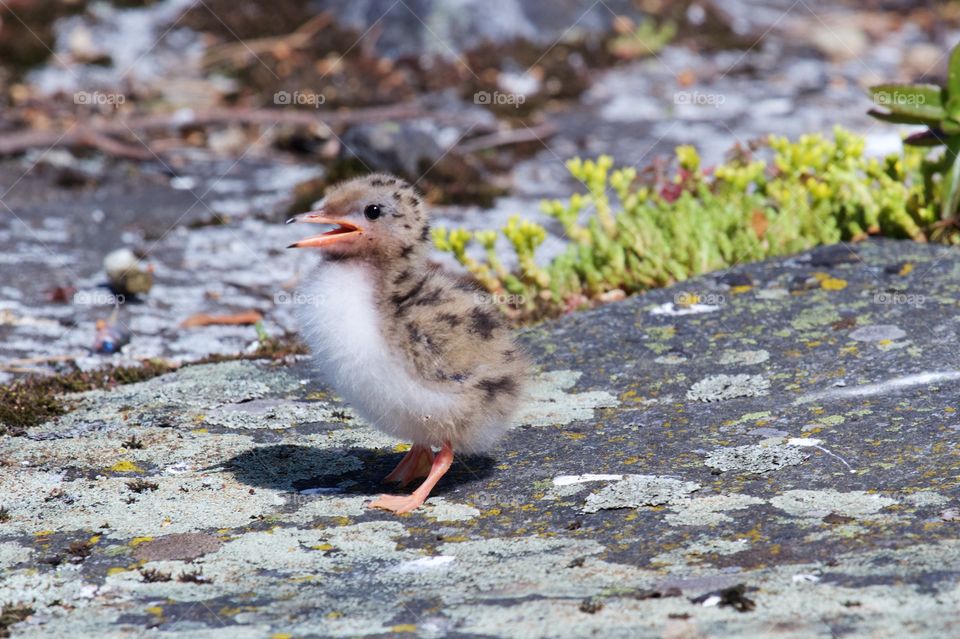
379	218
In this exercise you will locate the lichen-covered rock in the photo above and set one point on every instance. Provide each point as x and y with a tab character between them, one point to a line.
830	490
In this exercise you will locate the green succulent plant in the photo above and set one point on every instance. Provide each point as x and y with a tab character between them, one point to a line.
937	108
628	232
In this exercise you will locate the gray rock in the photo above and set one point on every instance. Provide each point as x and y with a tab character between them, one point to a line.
406	148
415	27
262	486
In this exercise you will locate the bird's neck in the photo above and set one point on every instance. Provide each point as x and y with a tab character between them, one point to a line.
396	279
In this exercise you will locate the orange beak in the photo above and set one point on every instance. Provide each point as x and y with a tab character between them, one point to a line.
343	231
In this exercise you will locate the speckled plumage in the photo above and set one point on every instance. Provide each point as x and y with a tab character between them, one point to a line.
418	354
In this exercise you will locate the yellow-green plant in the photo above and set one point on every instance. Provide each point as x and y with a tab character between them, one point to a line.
813	191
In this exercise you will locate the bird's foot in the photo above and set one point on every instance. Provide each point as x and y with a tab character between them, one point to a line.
406	503
398	503
414	465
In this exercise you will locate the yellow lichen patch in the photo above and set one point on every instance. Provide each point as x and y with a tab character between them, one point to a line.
199	431
401	448
334	614
833	284
736	290
571	435
116	570
317	396
43	533
156	611
281	635
820	276
753	534
404	627
629	461
93	540
950	409
323	547
906	269
136	541
814	343
125	466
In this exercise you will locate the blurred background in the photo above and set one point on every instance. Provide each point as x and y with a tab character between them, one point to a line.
149	151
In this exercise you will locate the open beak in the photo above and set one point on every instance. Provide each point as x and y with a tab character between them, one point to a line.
342	230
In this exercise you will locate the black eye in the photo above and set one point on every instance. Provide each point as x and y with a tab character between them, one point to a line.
372	212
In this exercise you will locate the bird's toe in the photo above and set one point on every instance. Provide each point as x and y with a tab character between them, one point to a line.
397	503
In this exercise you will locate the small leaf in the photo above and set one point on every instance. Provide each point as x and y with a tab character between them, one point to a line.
898	118
951	180
952	107
930	137
953	74
924	101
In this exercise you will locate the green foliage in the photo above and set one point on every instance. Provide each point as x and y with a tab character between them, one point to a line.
659	230
647	39
938	108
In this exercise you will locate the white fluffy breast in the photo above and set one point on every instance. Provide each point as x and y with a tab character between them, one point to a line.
339	319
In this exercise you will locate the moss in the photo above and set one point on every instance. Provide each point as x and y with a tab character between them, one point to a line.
10	615
142	485
275	348
152	575
35	400
32	401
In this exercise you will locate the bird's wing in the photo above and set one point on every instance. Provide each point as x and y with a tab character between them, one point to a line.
450	333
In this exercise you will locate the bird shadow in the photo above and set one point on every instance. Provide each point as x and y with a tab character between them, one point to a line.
295	468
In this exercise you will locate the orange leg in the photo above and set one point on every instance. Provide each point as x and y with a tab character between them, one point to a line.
406	503
415	464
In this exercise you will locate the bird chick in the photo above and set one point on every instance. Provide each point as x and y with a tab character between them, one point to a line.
418	355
